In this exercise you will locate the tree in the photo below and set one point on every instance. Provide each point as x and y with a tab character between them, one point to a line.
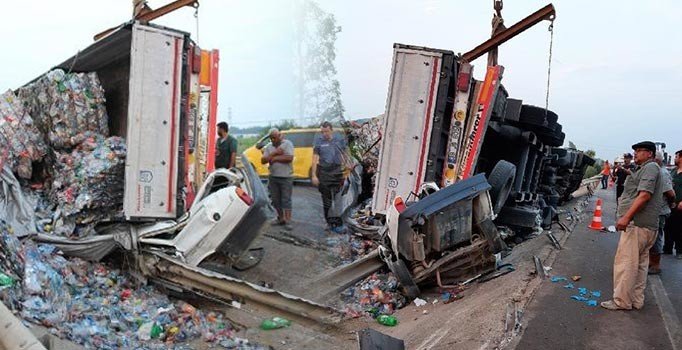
595	169
319	91
591	153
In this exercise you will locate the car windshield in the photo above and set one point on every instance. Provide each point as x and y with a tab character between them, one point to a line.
301	139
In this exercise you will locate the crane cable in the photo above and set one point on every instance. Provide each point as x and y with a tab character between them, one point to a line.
196	19
549	64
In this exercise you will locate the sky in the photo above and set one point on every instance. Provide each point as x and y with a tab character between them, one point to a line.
616	72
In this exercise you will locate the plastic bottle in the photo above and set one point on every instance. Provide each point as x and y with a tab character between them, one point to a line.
6	280
156	331
387	320
275	323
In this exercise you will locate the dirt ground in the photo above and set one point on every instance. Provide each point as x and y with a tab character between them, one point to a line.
483	319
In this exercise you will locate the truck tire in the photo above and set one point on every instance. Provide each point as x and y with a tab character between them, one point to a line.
518	216
535	116
409	288
501	179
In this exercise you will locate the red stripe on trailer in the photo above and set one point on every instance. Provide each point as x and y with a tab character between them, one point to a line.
212	111
427	125
174	114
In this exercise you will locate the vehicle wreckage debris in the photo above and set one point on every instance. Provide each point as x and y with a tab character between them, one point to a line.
98	306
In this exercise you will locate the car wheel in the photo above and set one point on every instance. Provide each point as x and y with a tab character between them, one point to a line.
501	179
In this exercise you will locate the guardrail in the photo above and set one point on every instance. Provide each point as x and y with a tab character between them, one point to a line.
14	335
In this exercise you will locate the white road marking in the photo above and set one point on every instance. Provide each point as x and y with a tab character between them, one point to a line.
670	319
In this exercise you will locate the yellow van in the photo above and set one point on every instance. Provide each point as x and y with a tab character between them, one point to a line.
303	152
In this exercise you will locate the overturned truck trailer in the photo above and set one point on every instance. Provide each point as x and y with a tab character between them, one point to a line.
442	132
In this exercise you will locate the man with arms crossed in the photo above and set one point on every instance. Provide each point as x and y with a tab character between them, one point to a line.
279	154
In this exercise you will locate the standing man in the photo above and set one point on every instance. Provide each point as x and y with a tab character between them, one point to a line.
605	173
638	212
621	172
666	201
673	226
226	148
327	168
279	154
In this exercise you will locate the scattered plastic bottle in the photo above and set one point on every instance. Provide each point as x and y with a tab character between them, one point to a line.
6	281
387	320
275	323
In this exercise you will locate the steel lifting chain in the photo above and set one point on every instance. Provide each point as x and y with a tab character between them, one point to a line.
196	18
549	64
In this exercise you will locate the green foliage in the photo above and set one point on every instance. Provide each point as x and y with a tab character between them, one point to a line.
591	171
245	142
591	153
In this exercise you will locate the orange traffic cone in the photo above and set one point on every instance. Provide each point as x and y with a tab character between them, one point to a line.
596	219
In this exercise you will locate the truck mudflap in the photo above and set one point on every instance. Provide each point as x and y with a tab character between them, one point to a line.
196	279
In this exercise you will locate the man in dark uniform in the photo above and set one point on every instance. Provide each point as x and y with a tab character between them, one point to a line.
327	169
622	172
226	148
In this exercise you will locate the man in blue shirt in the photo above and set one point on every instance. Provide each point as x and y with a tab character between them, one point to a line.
329	151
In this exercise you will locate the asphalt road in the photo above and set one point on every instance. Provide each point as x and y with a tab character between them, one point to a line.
555	321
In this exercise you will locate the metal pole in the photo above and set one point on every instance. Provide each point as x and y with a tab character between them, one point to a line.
545	13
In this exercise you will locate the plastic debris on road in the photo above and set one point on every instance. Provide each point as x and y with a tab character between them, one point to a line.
591	303
98	306
419	302
556	279
596	293
569	286
582	291
349	247
375	295
579	298
576	278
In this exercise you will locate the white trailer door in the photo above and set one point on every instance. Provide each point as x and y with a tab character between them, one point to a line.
407	125
153	123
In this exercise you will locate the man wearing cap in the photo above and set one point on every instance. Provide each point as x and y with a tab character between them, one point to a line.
666	201
673	226
621	172
637	213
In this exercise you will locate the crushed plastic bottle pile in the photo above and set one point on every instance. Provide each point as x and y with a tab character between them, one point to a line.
22	142
90	179
65	106
376	295
98	306
60	121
